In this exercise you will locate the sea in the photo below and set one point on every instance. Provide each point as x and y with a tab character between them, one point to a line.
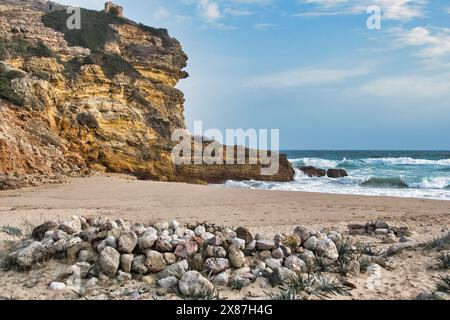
414	174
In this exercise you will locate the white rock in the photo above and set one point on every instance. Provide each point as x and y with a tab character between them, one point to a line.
265	244
57	286
92	282
239	243
207	236
335	236
127	242
251	246
308	257
85	267
147	240
174	224
215	252
74	241
236	257
109	261
71	226
273	263
59	234
126	261
155	261
352	268
295	264
161	226
327	249
311	243
168	282
199	231
27	256
278	253
110	241
60	245
222	279
174	270
217	265
123	276
381	231
194	284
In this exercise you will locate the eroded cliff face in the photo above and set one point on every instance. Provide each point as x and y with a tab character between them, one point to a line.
102	98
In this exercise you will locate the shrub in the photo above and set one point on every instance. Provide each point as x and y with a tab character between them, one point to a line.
7	92
444	284
95	27
19	46
439	242
113	64
443	260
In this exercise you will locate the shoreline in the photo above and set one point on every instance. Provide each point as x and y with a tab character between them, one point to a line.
265	212
132	199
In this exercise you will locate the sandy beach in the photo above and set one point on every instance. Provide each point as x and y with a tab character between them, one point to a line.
145	201
261	211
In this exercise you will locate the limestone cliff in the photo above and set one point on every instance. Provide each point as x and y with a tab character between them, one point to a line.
102	98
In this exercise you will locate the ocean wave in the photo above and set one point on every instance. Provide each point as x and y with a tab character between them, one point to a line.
316	162
406	161
377	182
433	183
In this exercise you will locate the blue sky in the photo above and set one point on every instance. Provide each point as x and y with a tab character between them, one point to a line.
312	68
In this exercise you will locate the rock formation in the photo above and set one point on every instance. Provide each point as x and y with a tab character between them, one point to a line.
313	171
114	9
101	98
336	173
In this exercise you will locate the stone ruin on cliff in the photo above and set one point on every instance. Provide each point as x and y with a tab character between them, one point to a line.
114	9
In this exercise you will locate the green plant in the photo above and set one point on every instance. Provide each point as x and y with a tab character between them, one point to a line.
95	27
6	263
368	250
322	264
443	260
346	254
237	284
364	264
284	294
12	231
327	288
439	242
444	284
41	50
20	46
314	285
113	64
7	92
204	294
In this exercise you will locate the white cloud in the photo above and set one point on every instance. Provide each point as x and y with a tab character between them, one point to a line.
305	77
409	87
238	12
209	10
264	26
432	45
402	10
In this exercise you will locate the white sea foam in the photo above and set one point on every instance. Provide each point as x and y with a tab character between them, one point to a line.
317	162
433	183
371	177
406	161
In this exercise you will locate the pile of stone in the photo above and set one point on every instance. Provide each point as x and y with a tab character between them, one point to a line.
172	255
380	228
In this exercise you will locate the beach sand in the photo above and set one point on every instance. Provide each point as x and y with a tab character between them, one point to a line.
268	212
